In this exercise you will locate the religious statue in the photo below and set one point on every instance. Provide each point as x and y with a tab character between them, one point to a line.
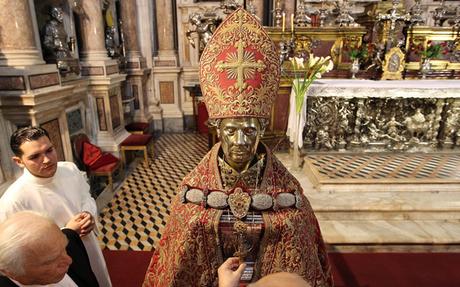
110	45
344	18
285	49
55	40
377	58
323	139
239	200
393	134
416	125
204	27
416	14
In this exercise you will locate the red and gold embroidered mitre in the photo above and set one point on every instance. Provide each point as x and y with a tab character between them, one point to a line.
239	69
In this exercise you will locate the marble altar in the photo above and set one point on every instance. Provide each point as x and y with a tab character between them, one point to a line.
383	115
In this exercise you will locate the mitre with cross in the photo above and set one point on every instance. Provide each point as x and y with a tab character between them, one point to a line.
239	69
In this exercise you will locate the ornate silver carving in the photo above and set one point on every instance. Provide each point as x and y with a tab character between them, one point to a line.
217	199
382	122
261	201
239	201
194	195
285	199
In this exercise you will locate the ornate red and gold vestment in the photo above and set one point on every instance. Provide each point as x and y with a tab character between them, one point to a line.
192	245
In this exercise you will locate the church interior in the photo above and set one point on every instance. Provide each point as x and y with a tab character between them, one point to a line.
375	145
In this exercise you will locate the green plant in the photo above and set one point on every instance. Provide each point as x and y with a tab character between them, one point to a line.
358	52
432	50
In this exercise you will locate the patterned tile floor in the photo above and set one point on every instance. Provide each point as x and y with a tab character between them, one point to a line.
136	214
375	168
134	218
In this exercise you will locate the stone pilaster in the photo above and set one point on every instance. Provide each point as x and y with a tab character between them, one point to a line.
166	71
105	80
146	28
136	91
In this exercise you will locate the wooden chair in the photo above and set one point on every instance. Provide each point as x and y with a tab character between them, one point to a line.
93	160
137	142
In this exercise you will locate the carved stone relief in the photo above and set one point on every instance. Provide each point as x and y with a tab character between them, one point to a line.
390	124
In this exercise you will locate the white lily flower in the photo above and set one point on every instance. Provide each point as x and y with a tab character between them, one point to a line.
312	60
330	66
299	62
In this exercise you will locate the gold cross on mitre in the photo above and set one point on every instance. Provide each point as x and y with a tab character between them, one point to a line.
241	65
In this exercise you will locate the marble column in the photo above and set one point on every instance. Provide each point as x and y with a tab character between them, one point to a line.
92	32
105	80
17	42
129	19
166	71
136	93
165	26
259	5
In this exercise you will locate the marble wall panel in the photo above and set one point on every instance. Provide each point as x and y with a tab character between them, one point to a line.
92	71
43	80
133	65
101	114
113	69
52	127
163	63
74	121
135	90
12	83
167	92
115	111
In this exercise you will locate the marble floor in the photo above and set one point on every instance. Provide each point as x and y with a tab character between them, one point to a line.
386	202
380	202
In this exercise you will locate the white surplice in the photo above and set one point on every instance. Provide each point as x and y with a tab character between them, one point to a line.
60	197
65	282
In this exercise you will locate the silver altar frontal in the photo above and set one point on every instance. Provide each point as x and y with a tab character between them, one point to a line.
383	115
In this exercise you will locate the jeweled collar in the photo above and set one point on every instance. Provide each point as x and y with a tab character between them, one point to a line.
250	178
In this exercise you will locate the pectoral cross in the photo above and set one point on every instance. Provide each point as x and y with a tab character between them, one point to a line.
244	247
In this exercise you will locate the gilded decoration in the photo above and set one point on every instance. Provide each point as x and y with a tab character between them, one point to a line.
239	203
393	65
239	69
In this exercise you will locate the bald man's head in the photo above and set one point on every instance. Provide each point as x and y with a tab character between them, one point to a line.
281	279
33	249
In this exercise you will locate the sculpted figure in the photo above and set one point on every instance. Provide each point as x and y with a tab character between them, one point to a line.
203	27
54	38
239	201
323	140
417	125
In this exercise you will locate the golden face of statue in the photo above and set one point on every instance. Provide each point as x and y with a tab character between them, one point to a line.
239	137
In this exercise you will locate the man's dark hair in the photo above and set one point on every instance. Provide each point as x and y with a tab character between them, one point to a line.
25	134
